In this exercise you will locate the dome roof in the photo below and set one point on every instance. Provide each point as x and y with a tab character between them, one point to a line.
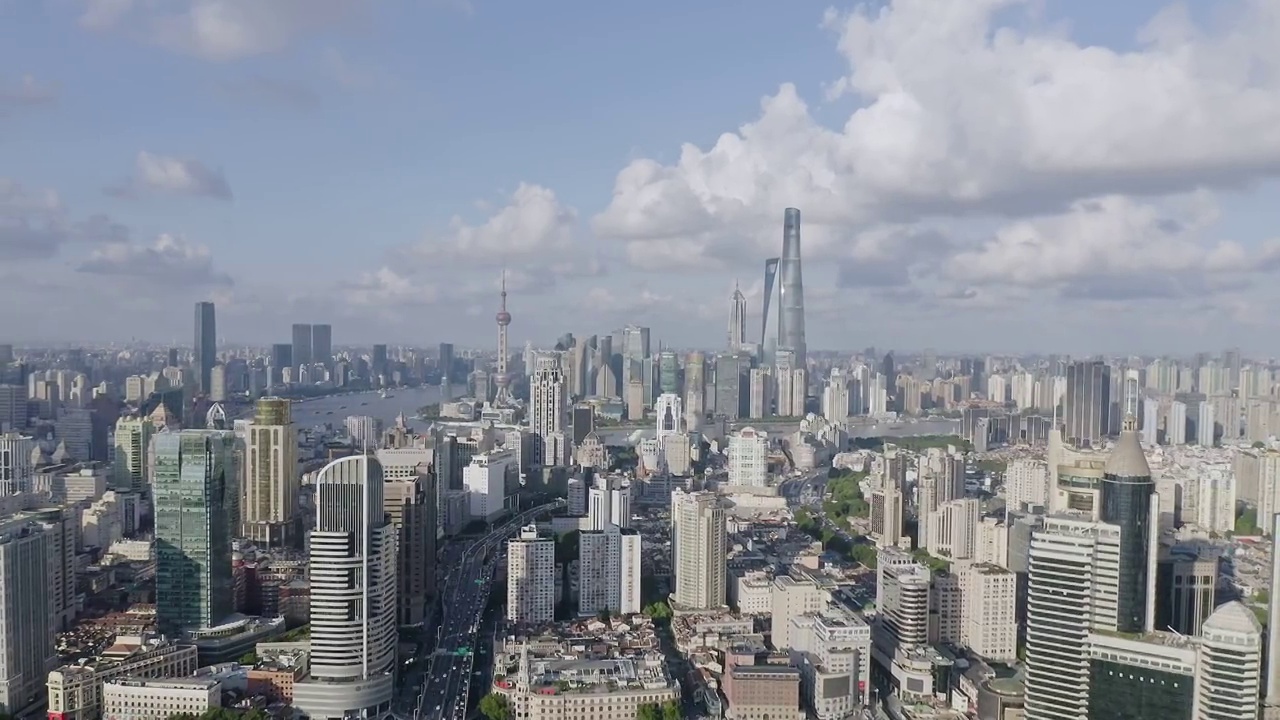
1128	459
1233	617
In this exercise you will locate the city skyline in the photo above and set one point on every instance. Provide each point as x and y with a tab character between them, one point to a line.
300	165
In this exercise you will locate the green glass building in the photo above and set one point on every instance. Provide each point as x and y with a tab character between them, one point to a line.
194	483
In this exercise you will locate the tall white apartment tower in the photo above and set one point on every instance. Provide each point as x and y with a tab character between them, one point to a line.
353	595
698	550
835	397
1206	425
531	578
548	412
27	650
608	505
749	458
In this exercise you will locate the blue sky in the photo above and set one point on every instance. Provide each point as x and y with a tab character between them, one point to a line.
343	160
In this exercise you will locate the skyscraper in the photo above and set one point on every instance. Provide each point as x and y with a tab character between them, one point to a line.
353	595
1086	406
322	344
698	550
501	378
301	344
548	413
271	472
206	345
737	320
281	358
27	652
770	274
791	289
531	578
193	486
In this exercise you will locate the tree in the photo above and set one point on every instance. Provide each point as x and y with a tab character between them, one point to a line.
495	707
671	710
604	616
865	555
649	711
658	612
249	658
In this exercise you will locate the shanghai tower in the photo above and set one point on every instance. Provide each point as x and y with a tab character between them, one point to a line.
791	289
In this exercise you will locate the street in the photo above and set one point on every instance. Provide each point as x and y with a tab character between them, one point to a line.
465	595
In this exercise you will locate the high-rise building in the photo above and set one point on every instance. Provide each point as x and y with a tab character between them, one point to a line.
1230	665
322	344
609	571
531	578
836	401
770	275
698	550
301	344
1128	501
695	388
791	290
1086	406
27	653
352	570
411	505
668	369
206	346
16	470
737	320
445	363
548	413
271	473
193	489
1273	628
379	361
732	377
131	469
502	379
281	358
749	457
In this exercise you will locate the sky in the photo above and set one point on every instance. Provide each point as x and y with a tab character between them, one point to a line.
974	175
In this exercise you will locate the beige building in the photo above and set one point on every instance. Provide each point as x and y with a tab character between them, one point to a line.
763	692
989	625
75	691
410	503
698	551
271	474
132	699
791	598
572	689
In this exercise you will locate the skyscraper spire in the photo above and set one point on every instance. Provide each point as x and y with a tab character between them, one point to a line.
737	319
501	379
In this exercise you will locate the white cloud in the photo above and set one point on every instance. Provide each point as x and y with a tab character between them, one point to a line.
220	30
387	289
532	226
169	260
961	117
182	176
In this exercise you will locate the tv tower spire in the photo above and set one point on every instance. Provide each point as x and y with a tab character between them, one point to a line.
503	395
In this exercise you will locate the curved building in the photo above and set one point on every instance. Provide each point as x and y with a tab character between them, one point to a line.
353	596
1126	500
791	289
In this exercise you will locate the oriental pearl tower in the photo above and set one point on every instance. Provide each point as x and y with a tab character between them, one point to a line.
503	397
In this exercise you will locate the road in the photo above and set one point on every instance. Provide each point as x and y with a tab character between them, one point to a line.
466	592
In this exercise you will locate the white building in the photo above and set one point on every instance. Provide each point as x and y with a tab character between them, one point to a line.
141	699
485	480
833	650
698	550
835	397
352	569
1206	425
749	458
953	529
548	413
26	630
789	599
1026	482
989	595
531	578
1230	668
609	571
16	471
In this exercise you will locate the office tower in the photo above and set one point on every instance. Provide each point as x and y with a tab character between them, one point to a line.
1128	501
791	290
352	570
749	458
760	392
379	361
583	421
14	410
989	615
905	605
609	571
281	358
1073	583
698	550
1273	611
132	464
548	411
410	504
887	514
531	578
732	374
695	387
271	473
193	490
668	369
1175	424
6	353
670	416
608	504
485	480
16	470
1229	676
737	320
445	363
953	529
1026	483
322	344
1087	402
206	346
1150	421
301	345
635	343
27	652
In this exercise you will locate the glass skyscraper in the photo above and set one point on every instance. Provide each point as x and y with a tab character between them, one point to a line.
791	290
194	491
1127	490
206	345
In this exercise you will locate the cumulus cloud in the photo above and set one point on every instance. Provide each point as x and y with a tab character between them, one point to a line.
35	224
170	260
160	173
385	288
220	30
960	116
533	224
24	92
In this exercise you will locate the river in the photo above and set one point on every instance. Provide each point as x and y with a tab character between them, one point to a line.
336	408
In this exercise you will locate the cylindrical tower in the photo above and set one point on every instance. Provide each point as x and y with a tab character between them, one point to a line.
791	289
